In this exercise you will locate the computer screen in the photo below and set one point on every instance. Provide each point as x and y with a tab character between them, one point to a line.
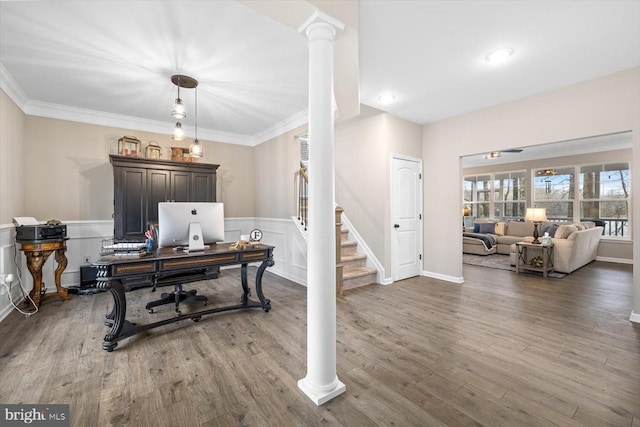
176	218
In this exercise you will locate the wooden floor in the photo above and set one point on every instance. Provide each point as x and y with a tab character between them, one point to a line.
499	350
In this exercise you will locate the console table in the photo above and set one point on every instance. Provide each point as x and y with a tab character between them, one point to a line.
523	257
37	252
165	262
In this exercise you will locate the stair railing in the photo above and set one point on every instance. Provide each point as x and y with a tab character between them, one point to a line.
302	212
339	266
303	196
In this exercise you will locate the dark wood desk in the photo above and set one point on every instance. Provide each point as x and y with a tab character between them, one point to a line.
37	252
111	270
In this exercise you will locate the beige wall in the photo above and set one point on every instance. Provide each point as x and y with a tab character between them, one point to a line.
276	163
363	150
364	146
12	123
70	177
607	105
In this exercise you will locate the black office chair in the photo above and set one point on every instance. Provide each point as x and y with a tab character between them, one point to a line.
178	295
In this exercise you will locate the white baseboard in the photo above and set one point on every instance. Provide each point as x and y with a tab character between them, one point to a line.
446	278
635	317
614	260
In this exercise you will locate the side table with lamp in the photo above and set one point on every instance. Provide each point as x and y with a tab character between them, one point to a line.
544	262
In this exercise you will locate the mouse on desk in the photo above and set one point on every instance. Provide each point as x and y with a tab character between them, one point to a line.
178	248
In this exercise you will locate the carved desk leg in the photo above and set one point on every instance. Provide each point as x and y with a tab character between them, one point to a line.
117	314
245	284
35	261
266	304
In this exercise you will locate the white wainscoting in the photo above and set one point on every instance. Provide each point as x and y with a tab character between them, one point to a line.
85	240
290	253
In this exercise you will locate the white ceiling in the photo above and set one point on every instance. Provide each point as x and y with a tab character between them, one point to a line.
110	62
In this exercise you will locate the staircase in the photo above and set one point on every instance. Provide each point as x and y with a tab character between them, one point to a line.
355	272
351	267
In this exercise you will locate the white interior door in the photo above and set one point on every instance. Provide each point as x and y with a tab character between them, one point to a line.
406	217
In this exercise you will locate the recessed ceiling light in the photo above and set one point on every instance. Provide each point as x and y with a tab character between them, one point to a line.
499	55
386	98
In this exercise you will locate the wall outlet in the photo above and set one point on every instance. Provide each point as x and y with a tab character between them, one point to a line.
3	288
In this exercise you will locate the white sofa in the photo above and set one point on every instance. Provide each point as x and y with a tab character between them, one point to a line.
575	245
505	233
569	254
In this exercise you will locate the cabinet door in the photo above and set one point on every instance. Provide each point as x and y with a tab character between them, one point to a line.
130	206
204	187
158	190
180	186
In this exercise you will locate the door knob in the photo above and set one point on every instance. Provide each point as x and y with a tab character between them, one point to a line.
396	225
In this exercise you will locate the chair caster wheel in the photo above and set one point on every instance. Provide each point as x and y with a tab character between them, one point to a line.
150	310
178	313
196	319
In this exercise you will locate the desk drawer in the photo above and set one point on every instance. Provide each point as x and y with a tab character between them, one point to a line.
133	268
253	256
197	262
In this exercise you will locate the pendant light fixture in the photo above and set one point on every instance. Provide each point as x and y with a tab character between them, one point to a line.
178	133
178	111
195	149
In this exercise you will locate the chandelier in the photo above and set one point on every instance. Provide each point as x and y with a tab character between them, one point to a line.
178	111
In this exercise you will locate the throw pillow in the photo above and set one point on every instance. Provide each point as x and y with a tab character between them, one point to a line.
487	228
579	226
564	231
476	227
501	227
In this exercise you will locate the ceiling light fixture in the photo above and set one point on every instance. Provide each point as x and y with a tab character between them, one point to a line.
178	110
499	55
492	155
195	149
186	82
387	98
178	133
546	172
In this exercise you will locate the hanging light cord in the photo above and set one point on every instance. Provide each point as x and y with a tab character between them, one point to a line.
196	112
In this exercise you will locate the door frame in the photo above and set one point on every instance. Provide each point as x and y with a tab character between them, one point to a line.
392	212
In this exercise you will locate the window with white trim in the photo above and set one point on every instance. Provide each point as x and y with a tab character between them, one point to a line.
477	195
605	195
509	195
554	190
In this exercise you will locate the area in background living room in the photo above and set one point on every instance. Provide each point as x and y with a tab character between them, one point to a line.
574	244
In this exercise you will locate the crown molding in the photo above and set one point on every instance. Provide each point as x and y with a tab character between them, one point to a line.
290	123
63	112
12	89
82	115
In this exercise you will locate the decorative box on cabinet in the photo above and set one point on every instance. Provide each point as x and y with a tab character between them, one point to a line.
140	184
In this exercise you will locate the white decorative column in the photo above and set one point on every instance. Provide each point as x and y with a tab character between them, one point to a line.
321	383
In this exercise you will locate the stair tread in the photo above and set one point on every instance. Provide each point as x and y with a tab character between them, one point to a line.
353	257
348	243
358	272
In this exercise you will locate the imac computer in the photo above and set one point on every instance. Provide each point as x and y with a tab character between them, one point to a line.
190	224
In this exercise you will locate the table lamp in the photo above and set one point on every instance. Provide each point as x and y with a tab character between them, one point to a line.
537	215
